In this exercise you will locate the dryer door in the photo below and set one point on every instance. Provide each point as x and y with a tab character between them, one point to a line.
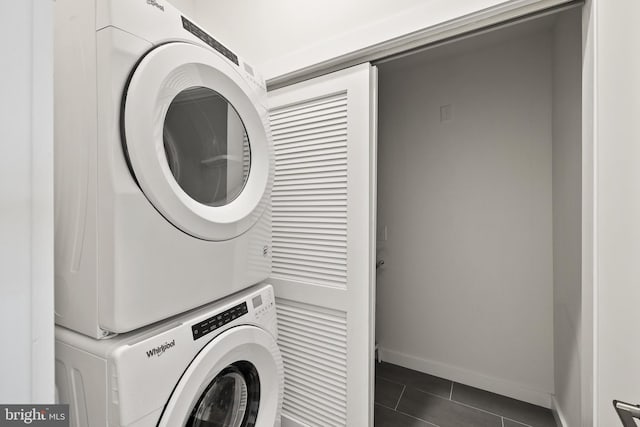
235	381
194	134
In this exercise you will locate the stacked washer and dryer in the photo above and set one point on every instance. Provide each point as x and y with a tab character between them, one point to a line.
164	169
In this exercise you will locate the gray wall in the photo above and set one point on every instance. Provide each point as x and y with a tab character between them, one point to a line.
567	212
467	287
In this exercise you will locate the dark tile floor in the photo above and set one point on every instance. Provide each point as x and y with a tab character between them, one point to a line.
407	398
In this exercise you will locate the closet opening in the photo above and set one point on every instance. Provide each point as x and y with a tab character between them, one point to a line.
478	298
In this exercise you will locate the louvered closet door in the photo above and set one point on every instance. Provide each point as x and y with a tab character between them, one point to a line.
324	246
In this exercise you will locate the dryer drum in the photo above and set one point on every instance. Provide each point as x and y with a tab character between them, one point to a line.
207	146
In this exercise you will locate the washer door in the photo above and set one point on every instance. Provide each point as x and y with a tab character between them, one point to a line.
196	142
235	381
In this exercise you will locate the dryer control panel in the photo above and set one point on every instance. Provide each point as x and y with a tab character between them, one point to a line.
202	35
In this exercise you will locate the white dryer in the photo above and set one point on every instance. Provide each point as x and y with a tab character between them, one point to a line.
216	366
163	166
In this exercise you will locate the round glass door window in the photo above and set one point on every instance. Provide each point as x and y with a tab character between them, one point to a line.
206	146
230	400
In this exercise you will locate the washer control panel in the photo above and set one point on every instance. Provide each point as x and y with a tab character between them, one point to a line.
209	325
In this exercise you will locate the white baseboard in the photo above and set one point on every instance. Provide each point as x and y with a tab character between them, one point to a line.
464	376
561	420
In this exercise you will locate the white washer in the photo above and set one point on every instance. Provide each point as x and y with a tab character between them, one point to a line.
163	166
216	366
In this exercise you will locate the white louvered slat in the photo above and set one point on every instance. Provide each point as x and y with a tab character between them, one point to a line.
326	183
297	174
324	377
309	140
331	163
286	114
320	240
316	279
309	199
310	121
305	410
309	254
313	153
332	183
313	341
329	348
304	251
311	176
315	266
312	220
329	396
312	192
301	146
308	215
303	141
311	248
316	130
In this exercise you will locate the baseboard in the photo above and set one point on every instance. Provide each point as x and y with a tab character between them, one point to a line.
561	420
464	376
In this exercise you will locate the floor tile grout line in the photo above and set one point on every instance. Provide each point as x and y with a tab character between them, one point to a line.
384	406
516	421
454	401
397	382
472	407
388	380
431	394
428	392
404	387
450	398
485	411
405	414
419	419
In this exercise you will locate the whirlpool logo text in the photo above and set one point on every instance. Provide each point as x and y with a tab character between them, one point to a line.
159	351
156	4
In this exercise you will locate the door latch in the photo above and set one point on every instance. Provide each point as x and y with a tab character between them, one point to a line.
627	412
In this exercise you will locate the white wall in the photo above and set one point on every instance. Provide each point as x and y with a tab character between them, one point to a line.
466	291
281	36
567	211
188	7
616	132
26	195
264	30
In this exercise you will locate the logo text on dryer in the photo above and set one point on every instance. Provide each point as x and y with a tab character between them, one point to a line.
156	4
159	350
